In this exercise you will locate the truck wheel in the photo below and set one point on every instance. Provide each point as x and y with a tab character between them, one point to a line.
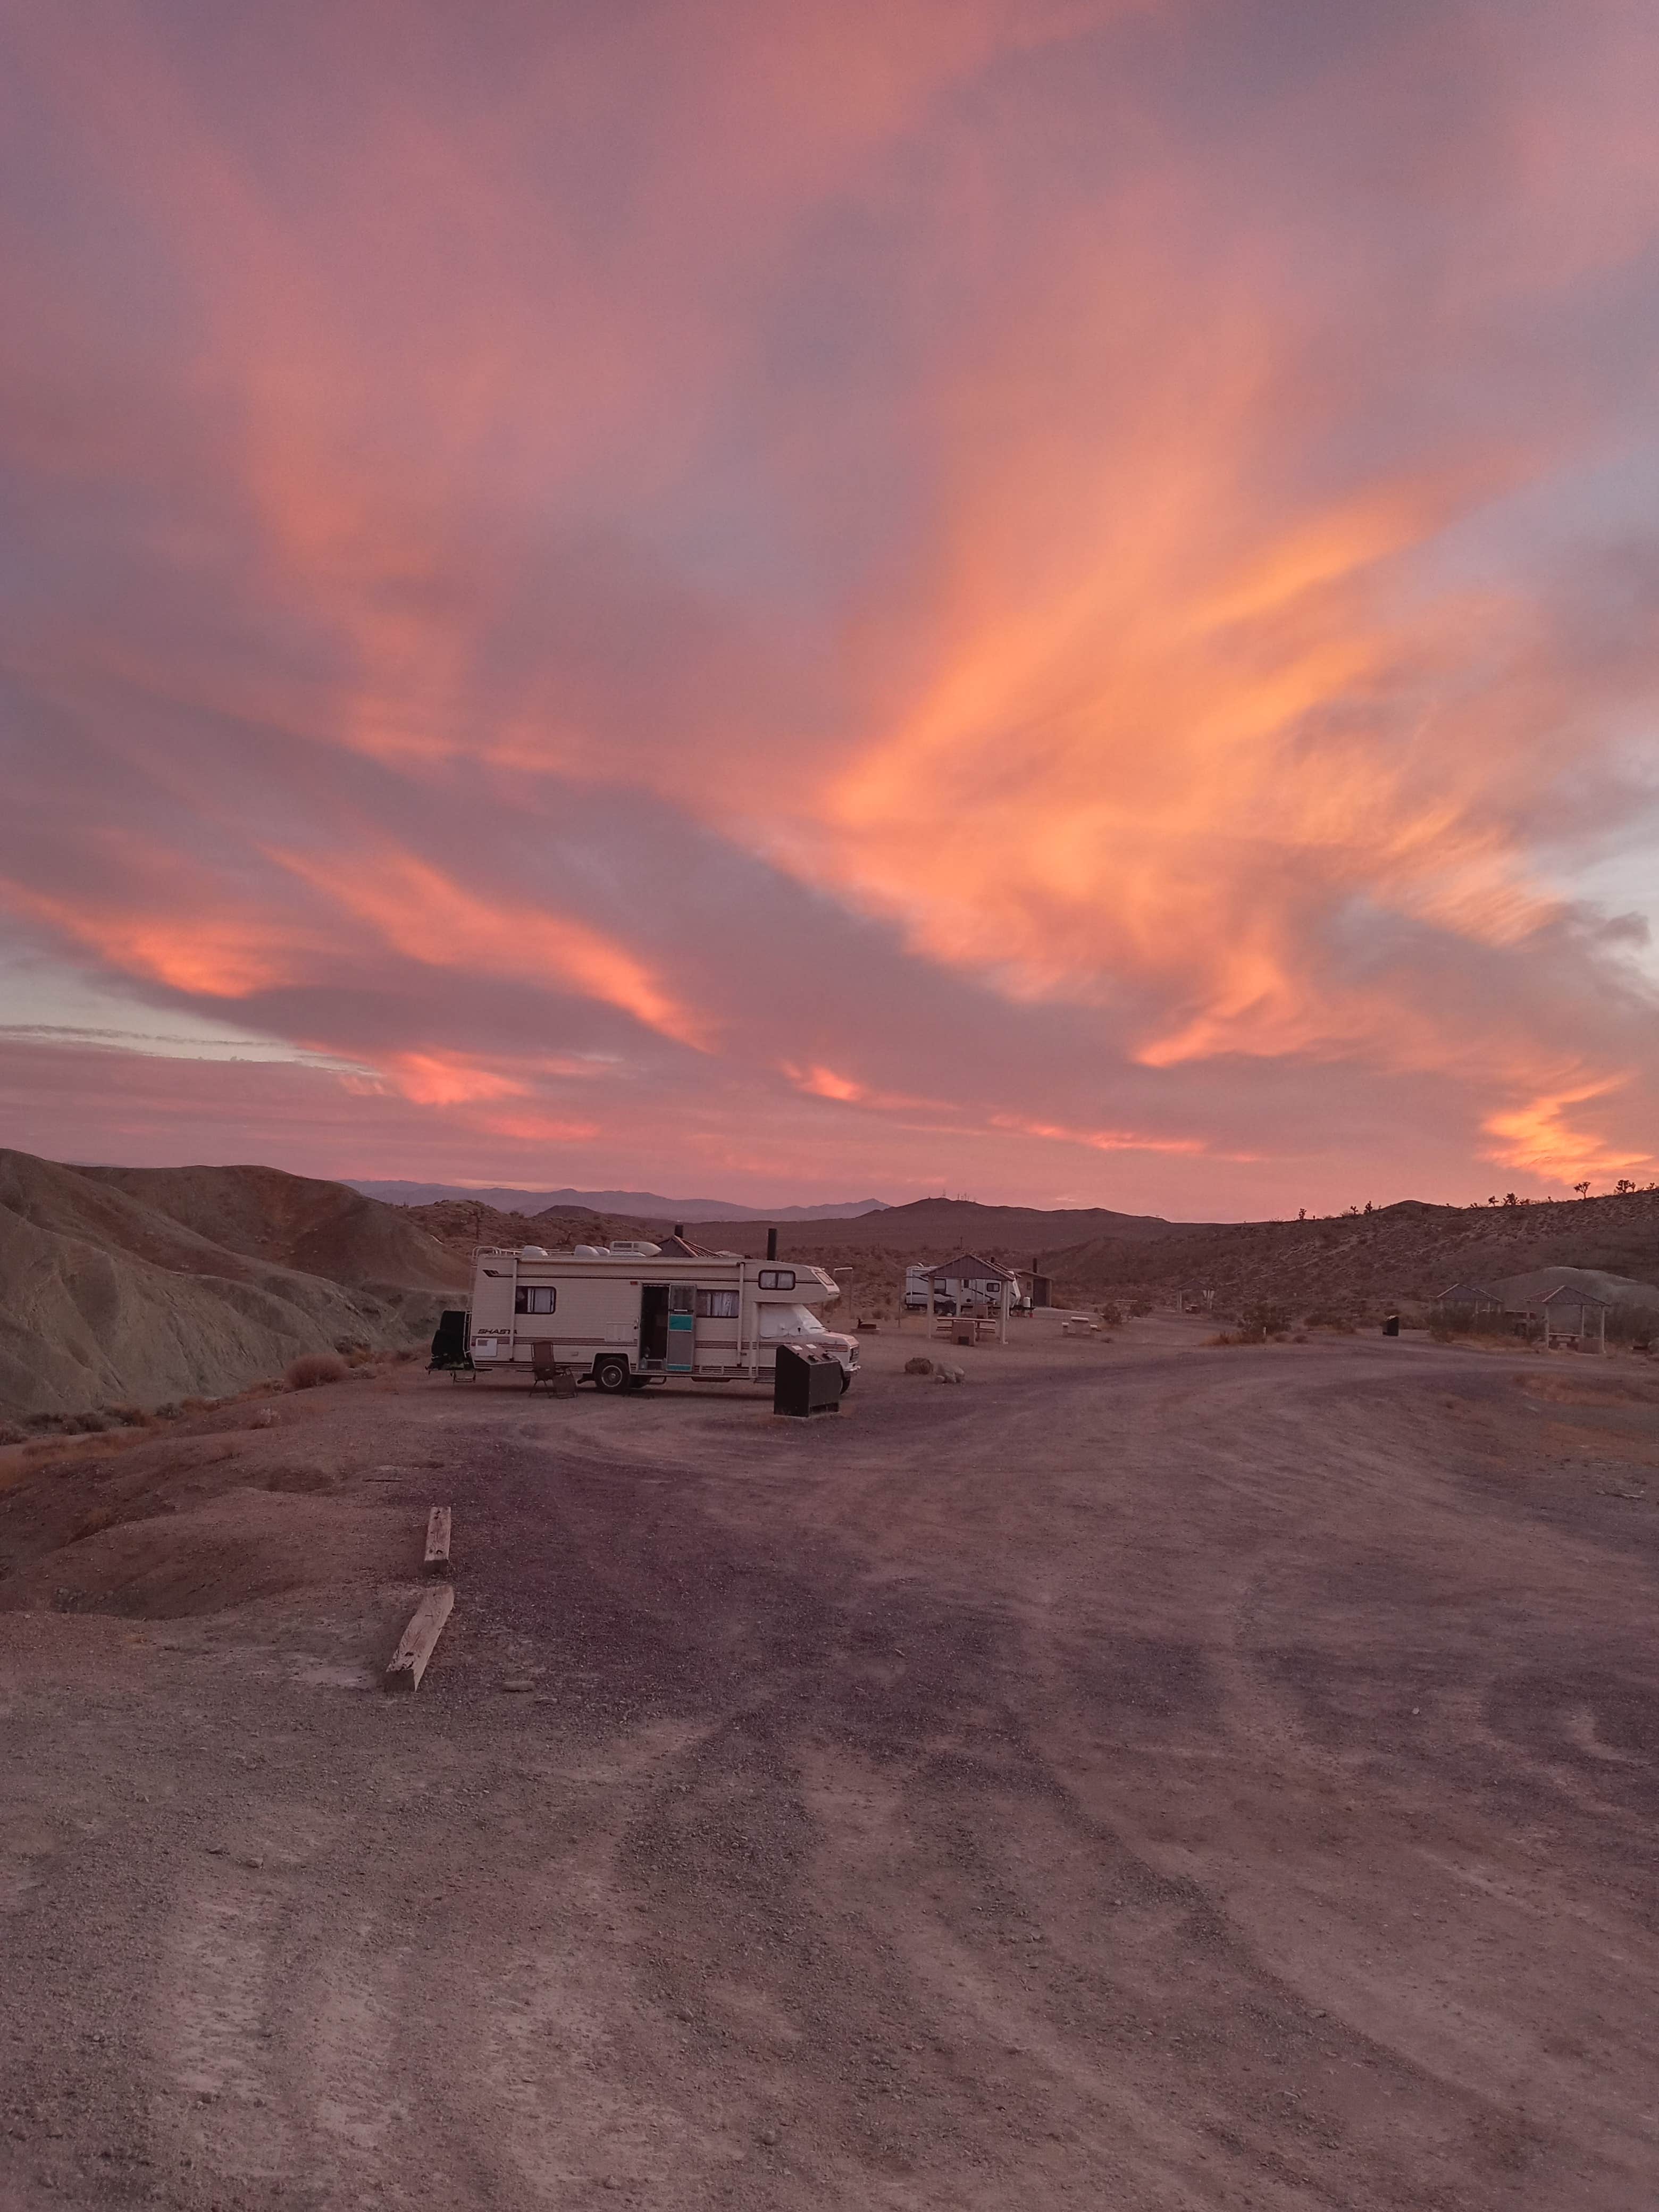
610	1375
845	1381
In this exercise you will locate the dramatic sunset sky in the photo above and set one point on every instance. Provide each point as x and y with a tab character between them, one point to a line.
1052	599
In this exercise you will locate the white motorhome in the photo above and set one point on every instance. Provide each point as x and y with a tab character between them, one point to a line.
626	1314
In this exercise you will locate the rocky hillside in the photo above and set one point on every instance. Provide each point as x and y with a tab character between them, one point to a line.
138	1285
1351	1264
1348	1264
1403	1254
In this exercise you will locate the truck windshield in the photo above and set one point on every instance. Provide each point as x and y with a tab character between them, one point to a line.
790	1321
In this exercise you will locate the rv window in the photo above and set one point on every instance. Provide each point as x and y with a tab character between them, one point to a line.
536	1297
777	1279
717	1305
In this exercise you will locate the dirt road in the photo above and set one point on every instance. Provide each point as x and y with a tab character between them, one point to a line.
1145	1776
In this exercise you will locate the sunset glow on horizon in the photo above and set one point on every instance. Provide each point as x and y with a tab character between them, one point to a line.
1055	600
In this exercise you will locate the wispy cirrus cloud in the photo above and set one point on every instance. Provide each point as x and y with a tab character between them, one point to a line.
1048	599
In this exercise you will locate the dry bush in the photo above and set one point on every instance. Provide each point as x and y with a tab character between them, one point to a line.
918	1366
127	1416
169	1411
11	1434
1111	1315
312	1368
85	1425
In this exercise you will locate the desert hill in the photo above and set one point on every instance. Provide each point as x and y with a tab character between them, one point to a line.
137	1285
635	1205
324	1229
1344	1264
140	1284
1403	1254
938	1228
1350	1263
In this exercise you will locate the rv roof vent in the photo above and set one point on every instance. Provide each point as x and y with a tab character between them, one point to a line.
591	1252
533	1252
635	1251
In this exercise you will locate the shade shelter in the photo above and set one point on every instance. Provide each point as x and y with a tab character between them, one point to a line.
972	1280
1573	1316
1469	1297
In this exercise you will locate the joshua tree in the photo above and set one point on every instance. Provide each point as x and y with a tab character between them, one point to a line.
1583	1188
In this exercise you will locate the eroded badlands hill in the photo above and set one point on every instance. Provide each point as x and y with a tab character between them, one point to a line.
135	1286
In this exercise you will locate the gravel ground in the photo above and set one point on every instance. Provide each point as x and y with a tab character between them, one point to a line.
1147	1775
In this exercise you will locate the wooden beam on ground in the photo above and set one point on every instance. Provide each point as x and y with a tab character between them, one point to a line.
437	1540
426	1625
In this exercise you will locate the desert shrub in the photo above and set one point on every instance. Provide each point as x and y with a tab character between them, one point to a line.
1331	1317
85	1425
1111	1315
169	1411
199	1406
919	1365
1263	1320
1141	1307
312	1368
47	1421
10	1433
1440	1328
127	1417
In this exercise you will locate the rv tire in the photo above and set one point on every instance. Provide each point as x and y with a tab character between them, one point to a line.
610	1375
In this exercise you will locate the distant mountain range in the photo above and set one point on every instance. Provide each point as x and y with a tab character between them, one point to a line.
644	1203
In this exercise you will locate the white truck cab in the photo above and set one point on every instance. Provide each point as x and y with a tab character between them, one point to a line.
623	1316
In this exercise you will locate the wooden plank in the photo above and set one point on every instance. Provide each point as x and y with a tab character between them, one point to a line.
426	1625
437	1540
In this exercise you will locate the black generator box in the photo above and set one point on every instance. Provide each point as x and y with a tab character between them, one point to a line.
807	1379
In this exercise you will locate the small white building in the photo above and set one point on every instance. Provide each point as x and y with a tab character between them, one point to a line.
968	1281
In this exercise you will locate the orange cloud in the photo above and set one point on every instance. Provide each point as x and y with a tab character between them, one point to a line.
1539	1137
1133	585
213	955
448	1079
427	916
1101	1141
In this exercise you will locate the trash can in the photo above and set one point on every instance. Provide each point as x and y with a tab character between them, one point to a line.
449	1344
805	1381
1391	1325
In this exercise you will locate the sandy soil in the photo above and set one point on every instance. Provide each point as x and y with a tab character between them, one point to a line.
1145	1776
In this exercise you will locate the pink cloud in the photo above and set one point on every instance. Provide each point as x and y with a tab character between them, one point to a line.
894	592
